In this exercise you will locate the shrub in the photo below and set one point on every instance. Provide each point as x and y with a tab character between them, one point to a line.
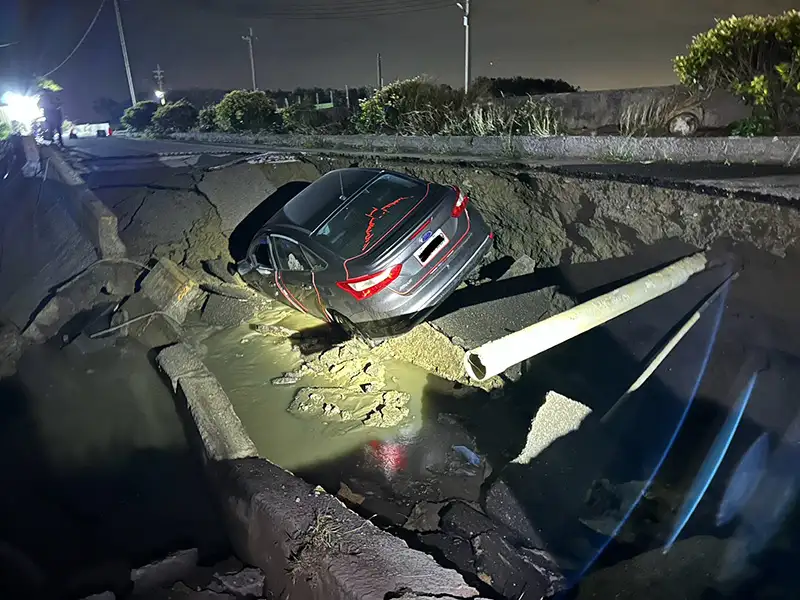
5	130
207	118
139	116
244	110
175	116
756	58
522	86
305	118
415	106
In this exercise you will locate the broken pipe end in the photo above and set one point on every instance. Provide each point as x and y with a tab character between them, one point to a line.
474	366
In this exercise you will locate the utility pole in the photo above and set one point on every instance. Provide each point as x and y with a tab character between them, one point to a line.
380	72
125	53
347	96
465	7
249	39
158	74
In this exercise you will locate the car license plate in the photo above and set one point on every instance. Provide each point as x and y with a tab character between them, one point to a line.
431	248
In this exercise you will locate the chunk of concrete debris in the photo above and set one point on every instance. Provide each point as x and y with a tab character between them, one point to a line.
336	405
172	290
348	495
164	573
11	346
224	311
510	573
289	378
247	583
502	506
275	330
218	267
524	265
557	417
424	517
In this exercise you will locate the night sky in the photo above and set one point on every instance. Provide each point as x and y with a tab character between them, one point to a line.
594	44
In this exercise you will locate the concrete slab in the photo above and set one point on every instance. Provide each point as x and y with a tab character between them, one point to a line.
172	290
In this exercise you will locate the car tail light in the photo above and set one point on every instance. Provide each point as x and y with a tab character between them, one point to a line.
369	285
461	202
110	131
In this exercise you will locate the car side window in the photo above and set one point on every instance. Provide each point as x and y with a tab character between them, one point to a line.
317	264
262	254
290	255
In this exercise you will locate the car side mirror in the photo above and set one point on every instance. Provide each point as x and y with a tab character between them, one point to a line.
243	267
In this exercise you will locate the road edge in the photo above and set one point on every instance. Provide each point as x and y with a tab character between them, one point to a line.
734	150
275	520
93	218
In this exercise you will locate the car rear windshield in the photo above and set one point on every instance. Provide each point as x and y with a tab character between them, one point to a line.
322	198
371	214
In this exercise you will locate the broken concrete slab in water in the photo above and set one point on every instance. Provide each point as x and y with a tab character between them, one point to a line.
336	405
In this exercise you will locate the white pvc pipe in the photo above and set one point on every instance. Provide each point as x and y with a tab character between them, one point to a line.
495	357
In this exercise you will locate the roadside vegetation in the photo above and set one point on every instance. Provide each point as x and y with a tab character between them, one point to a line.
755	58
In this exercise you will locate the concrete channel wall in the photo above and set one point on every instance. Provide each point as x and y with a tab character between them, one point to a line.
96	221
763	150
306	541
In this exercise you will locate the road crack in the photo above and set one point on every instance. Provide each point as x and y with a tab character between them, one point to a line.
136	212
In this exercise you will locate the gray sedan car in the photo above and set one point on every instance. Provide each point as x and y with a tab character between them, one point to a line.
370	250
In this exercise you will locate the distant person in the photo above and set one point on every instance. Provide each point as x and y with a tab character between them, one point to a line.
53	115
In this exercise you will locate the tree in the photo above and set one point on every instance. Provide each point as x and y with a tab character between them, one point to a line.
757	58
48	84
175	116
245	110
139	116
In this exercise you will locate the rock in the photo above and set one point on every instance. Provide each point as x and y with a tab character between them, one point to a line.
557	417
524	265
290	378
246	583
171	289
275	330
332	405
165	572
424	517
218	267
348	495
686	571
180	591
503	507
11	347
465	521
228	290
454	549
223	311
684	124
508	572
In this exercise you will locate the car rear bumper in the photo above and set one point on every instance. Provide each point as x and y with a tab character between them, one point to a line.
390	326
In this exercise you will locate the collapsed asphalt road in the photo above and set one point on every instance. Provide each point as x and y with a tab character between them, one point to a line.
438	483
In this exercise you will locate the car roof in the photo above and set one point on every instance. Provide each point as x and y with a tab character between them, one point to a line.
319	200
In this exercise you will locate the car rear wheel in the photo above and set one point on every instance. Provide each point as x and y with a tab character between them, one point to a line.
351	329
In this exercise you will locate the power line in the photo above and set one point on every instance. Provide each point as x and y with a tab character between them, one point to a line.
349	9
85	35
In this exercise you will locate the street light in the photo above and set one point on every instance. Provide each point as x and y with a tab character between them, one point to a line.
465	8
161	96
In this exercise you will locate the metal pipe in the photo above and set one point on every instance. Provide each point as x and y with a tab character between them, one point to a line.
496	356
